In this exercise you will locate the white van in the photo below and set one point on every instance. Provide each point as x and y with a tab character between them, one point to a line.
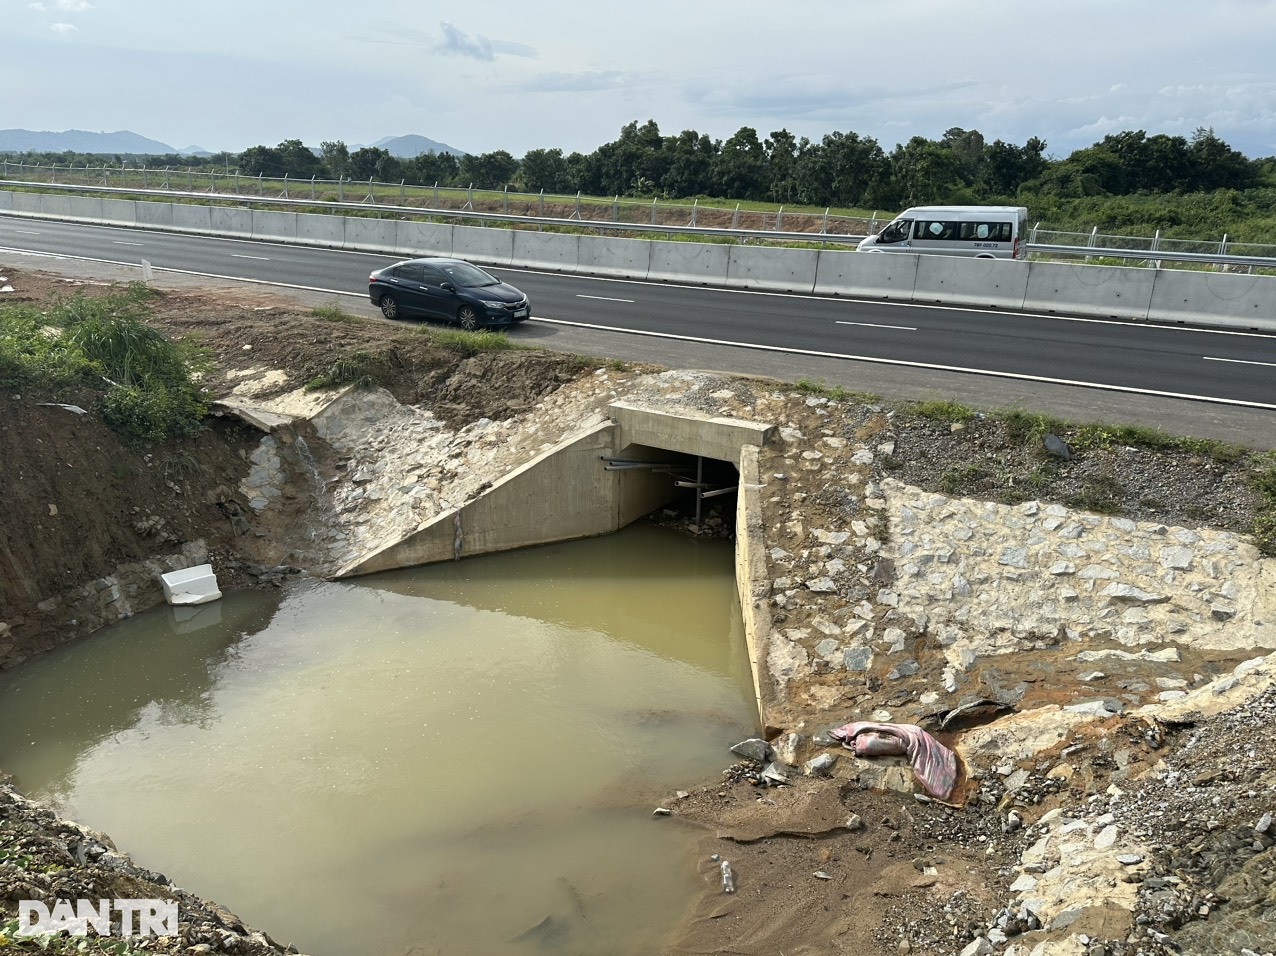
988	232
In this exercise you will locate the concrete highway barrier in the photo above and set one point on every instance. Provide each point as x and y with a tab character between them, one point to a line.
778	270
882	275
196	219
1106	291
276	226
545	250
27	203
371	235
232	221
416	239
1213	298
993	283
491	246
614	256
154	215
327	232
693	263
119	212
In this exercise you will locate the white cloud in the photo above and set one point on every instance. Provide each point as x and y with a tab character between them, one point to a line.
64	28
458	43
71	6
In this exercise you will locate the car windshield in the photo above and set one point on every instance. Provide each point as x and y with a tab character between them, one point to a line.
464	274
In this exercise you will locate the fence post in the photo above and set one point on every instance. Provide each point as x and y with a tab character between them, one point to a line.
403	192
166	170
695	208
1094	238
578	204
212	179
505	200
285	185
824	229
542	202
53	172
1156	244
372	194
259	187
1222	251
779	220
312	187
735	217
236	180
653	211
341	188
436	194
469	197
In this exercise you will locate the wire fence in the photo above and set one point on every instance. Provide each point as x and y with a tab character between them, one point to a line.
619	209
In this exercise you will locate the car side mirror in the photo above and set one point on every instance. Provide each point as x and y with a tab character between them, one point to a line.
449	287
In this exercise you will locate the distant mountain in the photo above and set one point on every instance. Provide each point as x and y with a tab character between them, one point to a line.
122	142
407	147
194	151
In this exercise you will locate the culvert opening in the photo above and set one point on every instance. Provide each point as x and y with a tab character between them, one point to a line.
698	493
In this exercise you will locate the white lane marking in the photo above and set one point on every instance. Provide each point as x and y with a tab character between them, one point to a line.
901	363
236	255
603	298
183	272
121	242
875	325
1211	358
26	232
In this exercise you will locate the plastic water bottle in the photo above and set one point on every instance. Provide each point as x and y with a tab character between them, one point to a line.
728	878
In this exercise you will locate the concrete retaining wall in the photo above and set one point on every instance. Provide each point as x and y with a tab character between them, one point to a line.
560	495
752	581
779	270
874	276
720	438
1213	298
1106	291
154	215
997	283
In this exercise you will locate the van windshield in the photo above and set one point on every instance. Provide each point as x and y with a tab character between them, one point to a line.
896	231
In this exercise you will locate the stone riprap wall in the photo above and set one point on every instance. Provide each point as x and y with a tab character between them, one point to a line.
80	610
995	578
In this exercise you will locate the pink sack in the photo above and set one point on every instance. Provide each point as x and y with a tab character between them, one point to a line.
933	763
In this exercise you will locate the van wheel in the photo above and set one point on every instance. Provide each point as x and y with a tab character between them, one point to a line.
389	307
467	318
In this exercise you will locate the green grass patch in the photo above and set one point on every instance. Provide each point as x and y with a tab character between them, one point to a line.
103	342
334	313
961	481
360	369
469	344
1102	494
834	393
1263	480
942	411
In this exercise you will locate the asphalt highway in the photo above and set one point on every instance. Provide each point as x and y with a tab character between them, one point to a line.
1207	382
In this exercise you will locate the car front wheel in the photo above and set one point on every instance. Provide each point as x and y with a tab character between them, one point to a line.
467	318
389	307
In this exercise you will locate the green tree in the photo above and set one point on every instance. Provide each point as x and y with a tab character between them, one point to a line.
336	158
691	158
545	169
494	170
742	167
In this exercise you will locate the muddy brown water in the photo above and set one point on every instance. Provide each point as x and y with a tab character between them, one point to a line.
454	759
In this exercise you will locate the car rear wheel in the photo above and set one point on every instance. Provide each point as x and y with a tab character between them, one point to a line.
389	307
467	318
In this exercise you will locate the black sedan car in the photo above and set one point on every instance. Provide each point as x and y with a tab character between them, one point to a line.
450	289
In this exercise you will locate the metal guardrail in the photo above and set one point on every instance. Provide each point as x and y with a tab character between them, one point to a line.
1218	258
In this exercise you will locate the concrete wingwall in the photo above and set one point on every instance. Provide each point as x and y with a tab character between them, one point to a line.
1204	298
752	581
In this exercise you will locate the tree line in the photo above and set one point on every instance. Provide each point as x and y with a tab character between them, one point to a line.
844	170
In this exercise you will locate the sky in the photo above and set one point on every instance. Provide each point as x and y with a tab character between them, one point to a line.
516	75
